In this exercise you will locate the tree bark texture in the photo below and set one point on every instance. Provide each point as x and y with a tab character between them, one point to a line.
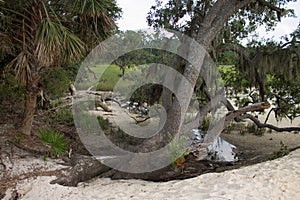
32	91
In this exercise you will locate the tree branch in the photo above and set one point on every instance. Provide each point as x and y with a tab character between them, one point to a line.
271	6
211	15
224	10
267	118
253	107
275	128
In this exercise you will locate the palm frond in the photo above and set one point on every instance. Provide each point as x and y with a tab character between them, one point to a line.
99	15
48	32
55	40
22	67
5	47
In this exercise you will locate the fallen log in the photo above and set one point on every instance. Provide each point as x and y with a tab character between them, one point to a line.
100	100
85	169
101	103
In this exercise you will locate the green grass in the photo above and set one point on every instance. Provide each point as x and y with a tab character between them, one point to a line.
111	75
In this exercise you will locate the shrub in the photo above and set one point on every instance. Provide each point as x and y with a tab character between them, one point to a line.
10	89
64	116
104	123
56	81
177	148
282	152
230	128
252	128
55	140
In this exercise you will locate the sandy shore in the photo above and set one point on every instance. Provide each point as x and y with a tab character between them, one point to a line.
276	179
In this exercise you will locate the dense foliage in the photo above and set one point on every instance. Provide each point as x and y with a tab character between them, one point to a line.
39	34
263	70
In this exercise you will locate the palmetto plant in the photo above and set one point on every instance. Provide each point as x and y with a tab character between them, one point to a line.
40	34
55	140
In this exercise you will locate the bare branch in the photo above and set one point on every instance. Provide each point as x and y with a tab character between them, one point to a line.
270	126
216	130
267	118
253	107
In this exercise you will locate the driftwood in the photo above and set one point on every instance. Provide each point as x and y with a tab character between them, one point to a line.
101	103
100	99
72	90
83	168
138	119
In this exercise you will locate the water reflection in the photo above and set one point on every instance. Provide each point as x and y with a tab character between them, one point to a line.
220	150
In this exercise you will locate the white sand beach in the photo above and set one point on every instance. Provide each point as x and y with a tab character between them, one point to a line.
276	179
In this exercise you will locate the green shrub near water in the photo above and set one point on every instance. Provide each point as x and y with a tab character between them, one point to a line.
284	150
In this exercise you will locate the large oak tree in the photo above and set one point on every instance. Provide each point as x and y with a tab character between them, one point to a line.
214	24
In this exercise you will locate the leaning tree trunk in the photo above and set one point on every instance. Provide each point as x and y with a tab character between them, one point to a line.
31	94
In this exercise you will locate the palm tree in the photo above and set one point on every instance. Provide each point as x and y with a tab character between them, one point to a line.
44	33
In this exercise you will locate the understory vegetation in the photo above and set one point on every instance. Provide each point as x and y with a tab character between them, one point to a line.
56	141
